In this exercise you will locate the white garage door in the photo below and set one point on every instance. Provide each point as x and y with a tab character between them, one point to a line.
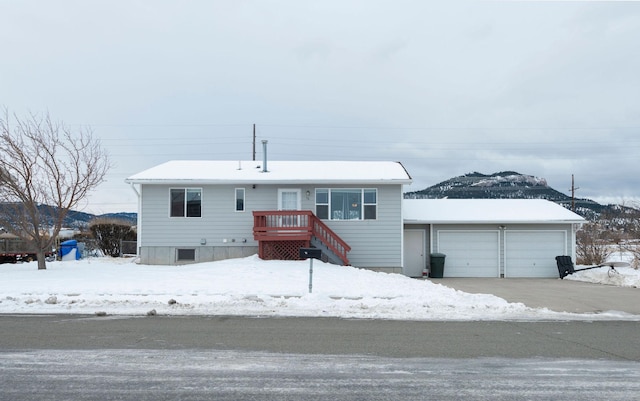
469	253
532	254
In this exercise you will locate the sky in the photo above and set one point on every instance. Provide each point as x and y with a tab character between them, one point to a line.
549	89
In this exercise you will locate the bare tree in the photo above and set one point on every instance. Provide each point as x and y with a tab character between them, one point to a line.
632	228
590	248
46	169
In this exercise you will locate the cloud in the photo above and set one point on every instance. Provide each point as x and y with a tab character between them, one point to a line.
544	88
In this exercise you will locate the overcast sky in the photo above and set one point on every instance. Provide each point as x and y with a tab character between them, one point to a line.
548	89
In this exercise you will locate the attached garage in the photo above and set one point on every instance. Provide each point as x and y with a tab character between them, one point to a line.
532	253
494	237
470	253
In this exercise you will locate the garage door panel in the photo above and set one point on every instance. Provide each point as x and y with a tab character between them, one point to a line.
532	253
469	253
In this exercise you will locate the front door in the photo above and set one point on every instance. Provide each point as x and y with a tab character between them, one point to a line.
289	199
414	253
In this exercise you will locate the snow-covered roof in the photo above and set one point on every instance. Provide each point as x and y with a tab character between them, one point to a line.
278	172
460	211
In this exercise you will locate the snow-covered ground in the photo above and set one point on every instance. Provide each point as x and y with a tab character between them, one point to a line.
253	287
619	276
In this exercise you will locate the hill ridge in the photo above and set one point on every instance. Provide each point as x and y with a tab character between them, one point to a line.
506	185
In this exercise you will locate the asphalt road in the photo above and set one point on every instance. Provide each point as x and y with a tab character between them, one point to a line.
234	358
615	340
239	375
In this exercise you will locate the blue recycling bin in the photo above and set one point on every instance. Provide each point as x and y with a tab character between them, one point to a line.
69	250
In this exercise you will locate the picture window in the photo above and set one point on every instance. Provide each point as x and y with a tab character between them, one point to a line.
346	204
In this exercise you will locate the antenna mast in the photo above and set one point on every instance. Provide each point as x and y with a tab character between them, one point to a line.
254	142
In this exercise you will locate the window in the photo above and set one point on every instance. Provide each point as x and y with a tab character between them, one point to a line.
239	199
346	204
184	255
322	203
186	202
370	204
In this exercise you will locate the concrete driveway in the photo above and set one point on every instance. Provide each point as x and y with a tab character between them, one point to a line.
553	294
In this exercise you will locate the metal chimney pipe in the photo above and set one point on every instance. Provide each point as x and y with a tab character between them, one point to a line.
264	156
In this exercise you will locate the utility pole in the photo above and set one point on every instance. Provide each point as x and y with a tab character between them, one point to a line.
573	194
254	142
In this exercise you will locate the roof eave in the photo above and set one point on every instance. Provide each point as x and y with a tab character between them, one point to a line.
263	181
421	221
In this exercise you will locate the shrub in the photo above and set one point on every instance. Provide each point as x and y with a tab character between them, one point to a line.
591	249
109	232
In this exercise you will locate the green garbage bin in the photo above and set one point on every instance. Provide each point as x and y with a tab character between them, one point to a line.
437	265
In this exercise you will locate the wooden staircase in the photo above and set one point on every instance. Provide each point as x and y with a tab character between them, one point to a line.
281	234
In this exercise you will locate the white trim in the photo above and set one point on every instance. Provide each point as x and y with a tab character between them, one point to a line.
139	218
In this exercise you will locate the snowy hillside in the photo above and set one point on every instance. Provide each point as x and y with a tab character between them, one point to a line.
507	185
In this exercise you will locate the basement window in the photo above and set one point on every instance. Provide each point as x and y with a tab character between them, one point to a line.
185	255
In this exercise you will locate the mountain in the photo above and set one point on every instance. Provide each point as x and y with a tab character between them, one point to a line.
79	220
508	185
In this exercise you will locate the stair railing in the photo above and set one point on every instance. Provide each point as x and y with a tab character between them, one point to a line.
282	225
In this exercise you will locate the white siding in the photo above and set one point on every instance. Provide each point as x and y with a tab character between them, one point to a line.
374	243
219	221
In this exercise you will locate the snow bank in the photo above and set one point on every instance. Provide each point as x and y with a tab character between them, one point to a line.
620	276
248	287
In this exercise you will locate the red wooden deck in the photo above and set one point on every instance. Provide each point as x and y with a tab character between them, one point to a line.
281	234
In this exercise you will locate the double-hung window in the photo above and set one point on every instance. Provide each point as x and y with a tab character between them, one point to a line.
322	203
186	202
370	204
346	204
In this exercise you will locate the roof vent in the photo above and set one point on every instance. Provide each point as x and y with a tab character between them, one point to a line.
264	156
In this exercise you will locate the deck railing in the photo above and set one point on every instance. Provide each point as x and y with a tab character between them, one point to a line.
297	225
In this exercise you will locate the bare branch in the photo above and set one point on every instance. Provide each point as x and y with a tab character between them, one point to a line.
46	169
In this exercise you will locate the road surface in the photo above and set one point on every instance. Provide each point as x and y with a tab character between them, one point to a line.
231	358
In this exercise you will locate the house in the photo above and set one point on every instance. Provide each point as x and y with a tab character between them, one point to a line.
197	211
488	237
